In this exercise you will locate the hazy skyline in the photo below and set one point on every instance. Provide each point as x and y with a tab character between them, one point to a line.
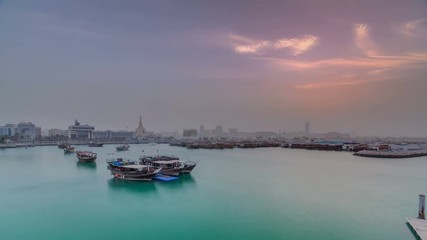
347	66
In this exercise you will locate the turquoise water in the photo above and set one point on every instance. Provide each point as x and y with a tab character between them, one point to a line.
269	193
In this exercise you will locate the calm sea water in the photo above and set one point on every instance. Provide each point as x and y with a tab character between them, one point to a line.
269	193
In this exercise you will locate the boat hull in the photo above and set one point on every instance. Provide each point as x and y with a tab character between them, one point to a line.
87	159
170	172
96	145
86	156
121	177
122	148
132	176
187	169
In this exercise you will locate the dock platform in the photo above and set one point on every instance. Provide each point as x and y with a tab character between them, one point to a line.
164	178
419	226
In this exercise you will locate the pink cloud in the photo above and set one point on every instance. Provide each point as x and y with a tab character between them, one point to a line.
364	41
297	46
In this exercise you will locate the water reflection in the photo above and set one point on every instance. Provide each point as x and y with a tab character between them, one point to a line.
86	165
187	179
130	186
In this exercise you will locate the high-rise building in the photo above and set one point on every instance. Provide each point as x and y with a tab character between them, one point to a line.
4	131
27	130
307	128
202	131
78	131
233	132
38	131
189	133
140	130
8	130
217	131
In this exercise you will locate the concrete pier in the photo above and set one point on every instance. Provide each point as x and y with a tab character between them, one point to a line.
390	154
419	225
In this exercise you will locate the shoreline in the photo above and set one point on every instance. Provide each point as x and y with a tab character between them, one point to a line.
315	147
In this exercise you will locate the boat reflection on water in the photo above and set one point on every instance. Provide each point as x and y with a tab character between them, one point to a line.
86	165
187	179
121	185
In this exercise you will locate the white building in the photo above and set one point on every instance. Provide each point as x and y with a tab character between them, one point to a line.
78	131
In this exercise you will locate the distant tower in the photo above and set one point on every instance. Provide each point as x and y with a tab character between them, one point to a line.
76	123
140	131
307	128
202	131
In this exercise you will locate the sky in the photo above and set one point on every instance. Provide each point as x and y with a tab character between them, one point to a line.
344	66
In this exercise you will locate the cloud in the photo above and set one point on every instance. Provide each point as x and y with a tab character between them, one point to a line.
364	41
361	62
415	28
348	76
297	45
379	71
334	84
379	63
251	48
371	61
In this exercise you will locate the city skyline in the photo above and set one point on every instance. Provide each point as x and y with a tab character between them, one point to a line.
200	131
254	65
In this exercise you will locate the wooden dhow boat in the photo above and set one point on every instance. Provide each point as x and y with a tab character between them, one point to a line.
131	170
95	144
69	149
63	145
171	165
86	156
124	147
187	166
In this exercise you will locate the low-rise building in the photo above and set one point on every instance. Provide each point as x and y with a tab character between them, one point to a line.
57	132
108	134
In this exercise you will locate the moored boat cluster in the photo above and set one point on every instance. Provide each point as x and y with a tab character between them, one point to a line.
164	168
147	168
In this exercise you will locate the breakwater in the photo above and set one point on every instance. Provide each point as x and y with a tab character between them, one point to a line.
391	154
227	144
359	149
